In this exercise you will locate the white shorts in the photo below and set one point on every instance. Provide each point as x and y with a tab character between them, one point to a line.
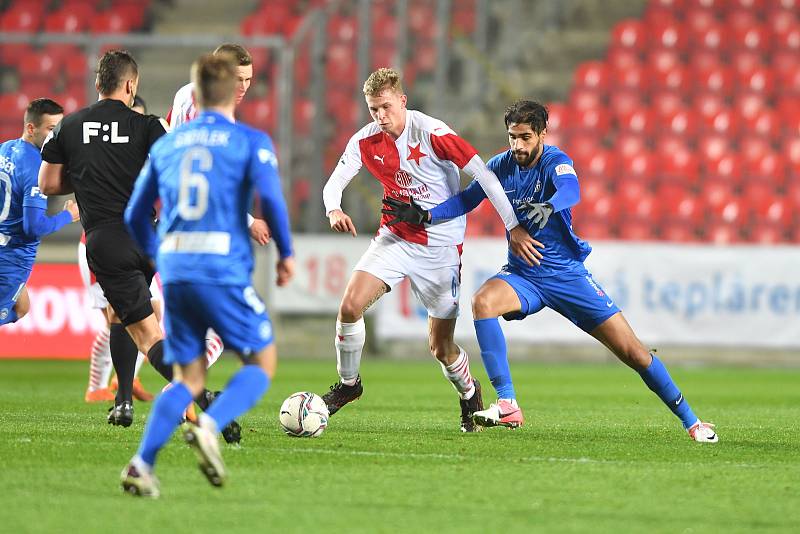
96	294
434	272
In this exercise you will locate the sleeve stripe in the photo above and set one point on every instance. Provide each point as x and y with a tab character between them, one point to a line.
451	147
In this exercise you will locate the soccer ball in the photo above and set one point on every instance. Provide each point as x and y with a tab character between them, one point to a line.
304	415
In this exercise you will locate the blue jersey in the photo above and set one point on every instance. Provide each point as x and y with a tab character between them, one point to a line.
204	172
19	188
553	180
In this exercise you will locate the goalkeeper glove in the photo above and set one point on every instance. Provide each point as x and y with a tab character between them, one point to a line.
538	212
407	212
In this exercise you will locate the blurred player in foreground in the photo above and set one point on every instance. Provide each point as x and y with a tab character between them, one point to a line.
23	207
204	173
542	185
413	156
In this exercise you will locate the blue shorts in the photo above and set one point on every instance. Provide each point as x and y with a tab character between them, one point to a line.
11	286
576	296
236	313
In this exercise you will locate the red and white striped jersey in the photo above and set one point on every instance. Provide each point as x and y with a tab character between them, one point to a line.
183	107
422	163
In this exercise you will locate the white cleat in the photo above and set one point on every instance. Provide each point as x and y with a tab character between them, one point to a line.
139	482
703	432
500	413
206	447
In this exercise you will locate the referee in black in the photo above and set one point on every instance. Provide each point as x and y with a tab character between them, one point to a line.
97	153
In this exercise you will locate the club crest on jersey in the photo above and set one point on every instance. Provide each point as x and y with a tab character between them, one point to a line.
3	314
538	186
92	129
403	179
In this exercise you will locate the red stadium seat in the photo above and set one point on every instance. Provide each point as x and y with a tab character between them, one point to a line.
13	106
679	232
658	10
596	120
765	123
33	89
727	168
588	227
641	122
625	101
753	148
732	211
713	38
789	84
759	194
21	18
717	79
383	55
628	145
12	53
630	190
702	5
593	188
745	62
631	78
663	59
65	22
768	234
722	233
637	229
778	212
791	152
683	123
781	21
712	148
668	33
771	167
740	19
38	66
725	122
75	68
702	60
601	163
623	58
581	145
342	29
629	33
667	103
700	19
789	40
688	208
674	79
756	38
593	75
258	113
749	105
557	117
641	166
109	22
760	80
585	98
784	62
681	165
559	139
602	206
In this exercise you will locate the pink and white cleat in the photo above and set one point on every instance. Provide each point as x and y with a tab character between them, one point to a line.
500	413
703	432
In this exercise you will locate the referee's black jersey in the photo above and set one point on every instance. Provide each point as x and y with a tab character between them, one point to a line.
102	147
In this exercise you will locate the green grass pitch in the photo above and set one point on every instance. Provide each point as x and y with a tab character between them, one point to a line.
598	453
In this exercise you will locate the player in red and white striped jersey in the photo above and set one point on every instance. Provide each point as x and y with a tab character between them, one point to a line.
418	157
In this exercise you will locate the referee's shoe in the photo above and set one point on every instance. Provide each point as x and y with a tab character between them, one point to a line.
121	414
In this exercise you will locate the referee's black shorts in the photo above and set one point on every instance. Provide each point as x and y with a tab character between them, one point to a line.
121	270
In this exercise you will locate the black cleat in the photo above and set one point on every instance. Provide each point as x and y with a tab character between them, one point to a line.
469	407
340	394
121	414
231	433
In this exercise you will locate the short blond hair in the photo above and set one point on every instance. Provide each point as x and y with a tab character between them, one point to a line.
382	79
214	78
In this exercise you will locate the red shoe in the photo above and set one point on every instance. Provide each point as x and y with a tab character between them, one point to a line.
139	393
99	395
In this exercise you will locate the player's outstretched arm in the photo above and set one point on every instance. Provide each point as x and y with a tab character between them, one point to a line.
478	170
36	223
139	209
52	179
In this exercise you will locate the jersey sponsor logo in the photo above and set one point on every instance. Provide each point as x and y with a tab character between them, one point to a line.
564	168
36	192
403	179
595	287
92	129
267	156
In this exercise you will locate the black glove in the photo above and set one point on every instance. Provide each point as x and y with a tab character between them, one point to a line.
538	212
408	212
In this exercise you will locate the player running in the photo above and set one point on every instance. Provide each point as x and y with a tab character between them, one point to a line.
204	173
413	156
542	185
23	207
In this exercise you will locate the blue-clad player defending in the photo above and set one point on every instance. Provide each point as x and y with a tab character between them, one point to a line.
204	173
542	186
23	208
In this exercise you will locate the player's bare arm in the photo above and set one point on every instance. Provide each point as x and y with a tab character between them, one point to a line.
285	271
52	180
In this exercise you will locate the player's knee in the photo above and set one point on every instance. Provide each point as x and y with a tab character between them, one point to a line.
349	311
483	306
22	308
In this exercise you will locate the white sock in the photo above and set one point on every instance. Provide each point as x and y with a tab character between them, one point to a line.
349	344
458	374
100	365
207	422
141	465
139	362
214	347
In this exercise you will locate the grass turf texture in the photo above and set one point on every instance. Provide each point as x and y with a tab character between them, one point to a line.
598	453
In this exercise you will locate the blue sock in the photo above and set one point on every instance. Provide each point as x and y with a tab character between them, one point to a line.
240	394
164	418
658	380
10	318
494	356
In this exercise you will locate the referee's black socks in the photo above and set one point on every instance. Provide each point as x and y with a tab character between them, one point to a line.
156	357
123	356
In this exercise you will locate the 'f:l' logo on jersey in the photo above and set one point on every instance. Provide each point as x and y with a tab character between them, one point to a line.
92	129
